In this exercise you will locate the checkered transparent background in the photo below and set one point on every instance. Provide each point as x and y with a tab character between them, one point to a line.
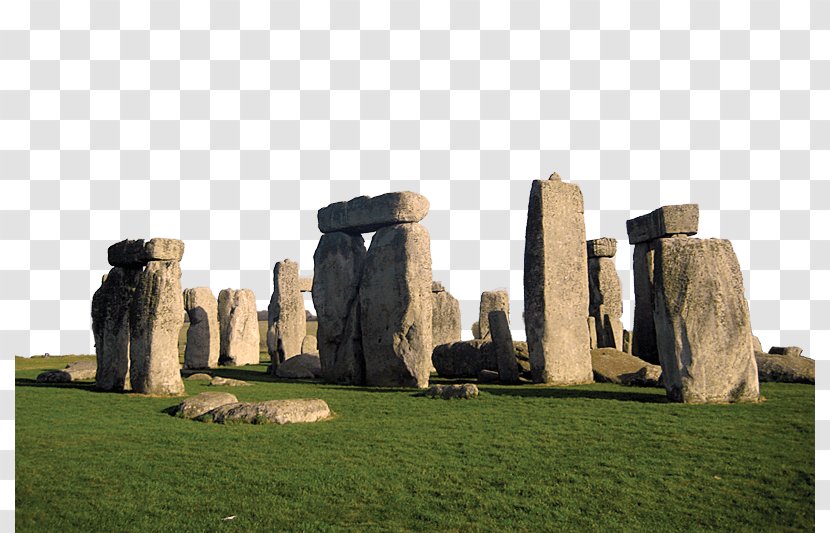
228	124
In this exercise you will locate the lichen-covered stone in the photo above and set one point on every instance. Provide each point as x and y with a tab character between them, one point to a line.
202	348
238	328
613	366
305	283
463	391
789	367
157	249
303	366
202	403
491	301
111	328
663	222
364	214
271	412
309	345
605	302
287	311
602	247
446	318
503	344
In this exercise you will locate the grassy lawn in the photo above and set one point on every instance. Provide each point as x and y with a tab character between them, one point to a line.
596	457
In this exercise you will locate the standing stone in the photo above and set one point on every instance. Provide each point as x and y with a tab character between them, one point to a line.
503	343
592	332
446	318
642	231
202	349
491	301
556	284
238	328
305	284
702	320
605	294
286	314
396	307
626	342
156	319
338	263
309	344
364	214
111	328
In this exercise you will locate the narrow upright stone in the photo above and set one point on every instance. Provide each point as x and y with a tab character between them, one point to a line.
156	317
702	320
364	214
605	295
202	349
491	301
338	264
309	344
446	318
111	328
663	222
286	314
556	284
396	307
238	328
644	336
503	342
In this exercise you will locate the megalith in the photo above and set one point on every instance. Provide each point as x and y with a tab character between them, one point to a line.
238	328
446	316
338	264
111	327
605	294
491	301
503	343
286	314
556	284
202	348
156	317
702	322
395	299
364	214
642	232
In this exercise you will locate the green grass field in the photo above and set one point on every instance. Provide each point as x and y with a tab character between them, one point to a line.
524	458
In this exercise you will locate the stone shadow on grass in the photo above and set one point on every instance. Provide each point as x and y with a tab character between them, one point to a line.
567	392
83	385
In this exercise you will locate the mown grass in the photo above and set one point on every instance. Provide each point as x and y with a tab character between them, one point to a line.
526	458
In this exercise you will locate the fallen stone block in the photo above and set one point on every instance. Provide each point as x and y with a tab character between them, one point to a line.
303	366
200	404
613	366
270	412
462	391
786	368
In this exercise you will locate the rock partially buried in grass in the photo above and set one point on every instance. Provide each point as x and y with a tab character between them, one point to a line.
270	412
614	366
201	376
448	392
219	381
54	376
200	404
303	366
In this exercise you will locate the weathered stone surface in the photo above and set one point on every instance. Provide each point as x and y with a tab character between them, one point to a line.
287	311
305	283
111	328
644	336
163	250
81	370
303	366
156	317
127	253
437	286
756	344
786	368
338	264
613	366
396	307
309	344
200	404
702	320
202	348
476	330
488	376
446	318
592	332
463	391
463	359
53	376
627	342
201	376
503	344
272	412
364	214
605	302
491	301
556	284
219	381
602	247
792	351
663	222
238	328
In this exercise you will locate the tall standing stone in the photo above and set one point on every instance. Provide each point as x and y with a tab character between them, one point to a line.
702	321
491	301
238	328
503	343
156	317
202	348
556	284
111	328
605	295
338	264
642	232
446	316
396	307
286	314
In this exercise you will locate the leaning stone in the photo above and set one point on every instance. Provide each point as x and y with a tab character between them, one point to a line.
613	366
396	307
605	302
200	404
303	366
272	412
81	370
287	311
602	247
309	344
111	328
305	283
54	376
201	376
786	368
156	319
202	348
127	254
463	359
663	222
792	351
462	391
702	319
163	250
238	328
219	381
503	344
338	264
556	284
364	214
491	301
437	286
446	318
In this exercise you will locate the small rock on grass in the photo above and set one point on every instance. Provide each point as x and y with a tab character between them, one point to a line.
228	382
448	392
201	376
